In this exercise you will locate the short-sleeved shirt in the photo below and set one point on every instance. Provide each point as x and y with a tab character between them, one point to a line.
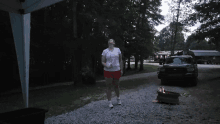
113	58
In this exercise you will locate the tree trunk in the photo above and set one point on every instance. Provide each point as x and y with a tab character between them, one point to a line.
172	39
136	61
73	69
172	42
176	28
46	13
77	57
143	17
77	77
217	44
74	19
124	69
59	70
94	63
141	63
138	27
129	66
46	75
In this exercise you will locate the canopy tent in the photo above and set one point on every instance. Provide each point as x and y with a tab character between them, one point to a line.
211	53
20	16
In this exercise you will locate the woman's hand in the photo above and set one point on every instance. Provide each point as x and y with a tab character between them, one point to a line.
109	65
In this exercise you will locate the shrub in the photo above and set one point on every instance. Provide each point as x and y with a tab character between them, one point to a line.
88	77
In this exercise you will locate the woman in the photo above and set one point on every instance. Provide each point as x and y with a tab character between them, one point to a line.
112	62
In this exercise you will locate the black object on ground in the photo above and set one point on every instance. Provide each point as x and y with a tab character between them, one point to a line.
24	116
168	97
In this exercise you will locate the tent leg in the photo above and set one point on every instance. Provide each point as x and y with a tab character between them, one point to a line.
20	24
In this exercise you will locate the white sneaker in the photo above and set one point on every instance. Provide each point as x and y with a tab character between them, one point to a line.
119	101
110	105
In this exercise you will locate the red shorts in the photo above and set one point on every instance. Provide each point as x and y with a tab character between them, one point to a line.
112	74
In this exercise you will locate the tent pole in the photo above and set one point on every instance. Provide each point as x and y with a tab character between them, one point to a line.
20	24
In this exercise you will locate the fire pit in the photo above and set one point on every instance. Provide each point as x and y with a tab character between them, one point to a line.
168	97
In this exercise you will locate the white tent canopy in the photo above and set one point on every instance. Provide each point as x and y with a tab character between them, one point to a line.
20	17
25	6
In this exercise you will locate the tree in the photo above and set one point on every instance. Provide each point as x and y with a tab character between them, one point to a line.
145	32
54	44
180	10
166	37
77	43
207	14
176	29
49	33
193	44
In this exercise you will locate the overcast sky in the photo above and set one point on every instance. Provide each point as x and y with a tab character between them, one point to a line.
165	9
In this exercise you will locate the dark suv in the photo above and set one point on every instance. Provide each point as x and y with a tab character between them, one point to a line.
179	67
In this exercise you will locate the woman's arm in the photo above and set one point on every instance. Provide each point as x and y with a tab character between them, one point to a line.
121	62
103	60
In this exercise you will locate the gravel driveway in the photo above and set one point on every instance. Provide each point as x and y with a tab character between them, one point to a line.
137	108
201	107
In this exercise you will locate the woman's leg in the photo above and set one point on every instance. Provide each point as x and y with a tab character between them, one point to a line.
116	87
117	76
108	85
117	90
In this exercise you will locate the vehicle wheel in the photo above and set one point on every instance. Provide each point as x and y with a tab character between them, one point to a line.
160	63
163	81
194	81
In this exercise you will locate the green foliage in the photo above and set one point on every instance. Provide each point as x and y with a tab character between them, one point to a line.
207	14
52	40
88	76
194	44
166	37
87	71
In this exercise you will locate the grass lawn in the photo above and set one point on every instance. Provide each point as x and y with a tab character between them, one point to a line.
147	69
64	99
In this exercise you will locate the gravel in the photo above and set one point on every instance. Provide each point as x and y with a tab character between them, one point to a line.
137	107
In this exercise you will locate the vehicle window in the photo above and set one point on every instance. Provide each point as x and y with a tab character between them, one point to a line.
178	61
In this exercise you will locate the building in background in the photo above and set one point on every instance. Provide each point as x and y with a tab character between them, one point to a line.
207	56
160	56
132	59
